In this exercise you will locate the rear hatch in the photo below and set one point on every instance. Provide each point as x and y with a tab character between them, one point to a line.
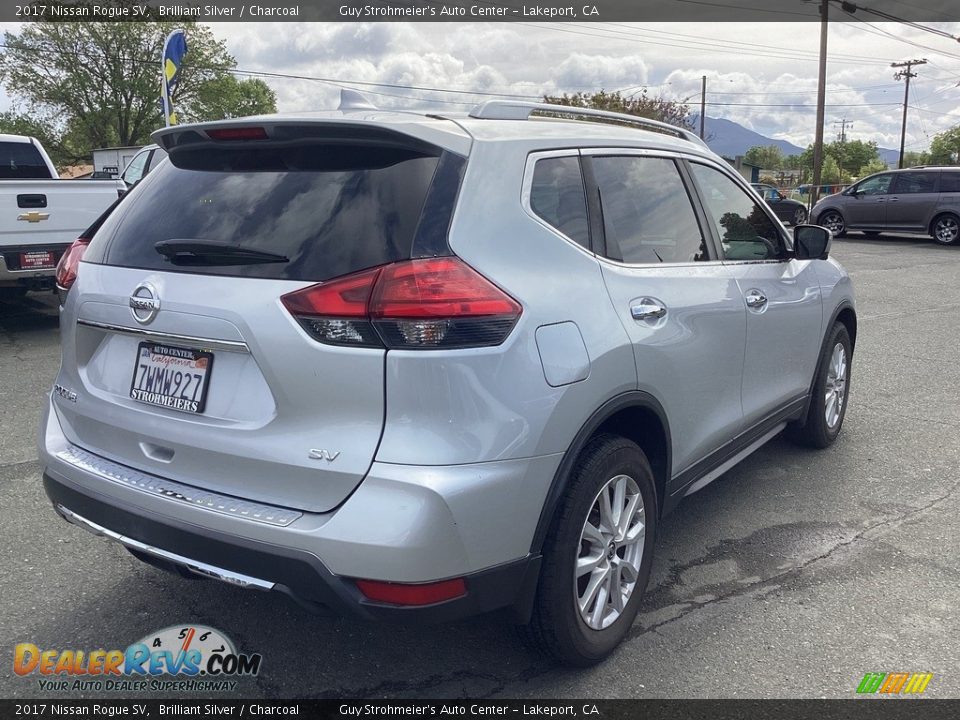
187	361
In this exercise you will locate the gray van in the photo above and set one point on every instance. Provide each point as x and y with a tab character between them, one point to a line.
919	199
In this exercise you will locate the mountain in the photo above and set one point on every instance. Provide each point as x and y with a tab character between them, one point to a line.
728	138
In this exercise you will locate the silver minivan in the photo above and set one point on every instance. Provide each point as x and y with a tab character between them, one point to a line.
417	367
917	200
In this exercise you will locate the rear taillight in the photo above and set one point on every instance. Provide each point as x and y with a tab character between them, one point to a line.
70	263
431	303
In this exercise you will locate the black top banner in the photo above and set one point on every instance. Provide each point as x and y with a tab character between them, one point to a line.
892	709
479	10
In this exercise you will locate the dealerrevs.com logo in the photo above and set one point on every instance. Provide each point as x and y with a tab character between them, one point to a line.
178	658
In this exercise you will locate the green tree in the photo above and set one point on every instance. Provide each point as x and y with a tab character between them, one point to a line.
226	97
830	173
97	84
642	105
874	166
768	157
912	158
852	155
945	147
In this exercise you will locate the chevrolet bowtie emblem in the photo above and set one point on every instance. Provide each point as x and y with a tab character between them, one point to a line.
33	216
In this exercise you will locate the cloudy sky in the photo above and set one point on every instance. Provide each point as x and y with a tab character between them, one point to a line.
762	75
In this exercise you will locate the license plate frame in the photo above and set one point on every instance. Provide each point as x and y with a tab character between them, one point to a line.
183	360
38	260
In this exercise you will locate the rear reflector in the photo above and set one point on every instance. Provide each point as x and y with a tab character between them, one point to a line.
429	303
237	133
69	264
412	593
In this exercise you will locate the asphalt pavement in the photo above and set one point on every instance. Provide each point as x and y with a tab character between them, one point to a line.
791	576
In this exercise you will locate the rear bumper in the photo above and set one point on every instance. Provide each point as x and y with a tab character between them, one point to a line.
296	573
402	524
11	275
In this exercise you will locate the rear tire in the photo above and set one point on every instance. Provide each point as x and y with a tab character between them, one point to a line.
591	553
945	229
831	390
799	216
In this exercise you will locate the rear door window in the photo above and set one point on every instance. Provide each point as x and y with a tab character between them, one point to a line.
950	181
557	197
22	161
330	210
647	214
137	167
915	182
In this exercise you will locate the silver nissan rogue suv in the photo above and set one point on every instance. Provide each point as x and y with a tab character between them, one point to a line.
408	366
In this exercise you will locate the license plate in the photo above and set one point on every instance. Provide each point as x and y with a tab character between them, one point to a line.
172	377
37	260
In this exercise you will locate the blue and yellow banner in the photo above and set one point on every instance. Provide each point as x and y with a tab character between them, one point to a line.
174	49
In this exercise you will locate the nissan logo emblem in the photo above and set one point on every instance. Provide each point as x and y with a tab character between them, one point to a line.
144	303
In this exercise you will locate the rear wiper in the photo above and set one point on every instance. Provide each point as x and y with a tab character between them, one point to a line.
213	252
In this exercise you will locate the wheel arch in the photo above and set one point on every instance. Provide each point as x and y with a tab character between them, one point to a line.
939	214
846	314
831	208
635	415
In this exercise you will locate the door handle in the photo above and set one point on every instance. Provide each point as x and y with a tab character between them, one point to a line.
755	299
893	199
647	309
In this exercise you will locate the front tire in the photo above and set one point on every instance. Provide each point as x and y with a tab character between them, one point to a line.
831	390
946	229
833	221
597	556
799	216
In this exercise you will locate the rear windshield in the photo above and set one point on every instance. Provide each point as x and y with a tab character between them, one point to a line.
22	161
331	210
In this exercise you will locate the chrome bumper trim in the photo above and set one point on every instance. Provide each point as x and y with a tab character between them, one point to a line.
194	566
191	340
172	490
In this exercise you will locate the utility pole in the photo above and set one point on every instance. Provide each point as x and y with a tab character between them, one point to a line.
821	101
842	135
906	75
842	138
703	103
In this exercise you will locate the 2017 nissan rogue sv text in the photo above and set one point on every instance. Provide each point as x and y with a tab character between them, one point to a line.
420	367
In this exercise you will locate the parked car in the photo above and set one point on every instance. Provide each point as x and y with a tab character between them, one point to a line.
414	367
40	215
919	200
789	211
142	163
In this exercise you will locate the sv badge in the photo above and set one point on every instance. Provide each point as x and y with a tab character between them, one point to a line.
324	455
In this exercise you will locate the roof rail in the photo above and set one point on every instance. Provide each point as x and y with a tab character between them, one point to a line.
520	110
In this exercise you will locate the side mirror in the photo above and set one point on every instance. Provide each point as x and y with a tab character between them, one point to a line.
811	242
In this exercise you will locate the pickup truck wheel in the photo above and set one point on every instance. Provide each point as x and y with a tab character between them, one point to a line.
831	389
597	556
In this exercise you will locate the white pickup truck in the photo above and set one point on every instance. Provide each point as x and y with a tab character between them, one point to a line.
41	215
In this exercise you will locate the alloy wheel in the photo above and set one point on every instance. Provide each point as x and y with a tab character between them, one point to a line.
833	222
800	216
611	550
835	392
946	230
